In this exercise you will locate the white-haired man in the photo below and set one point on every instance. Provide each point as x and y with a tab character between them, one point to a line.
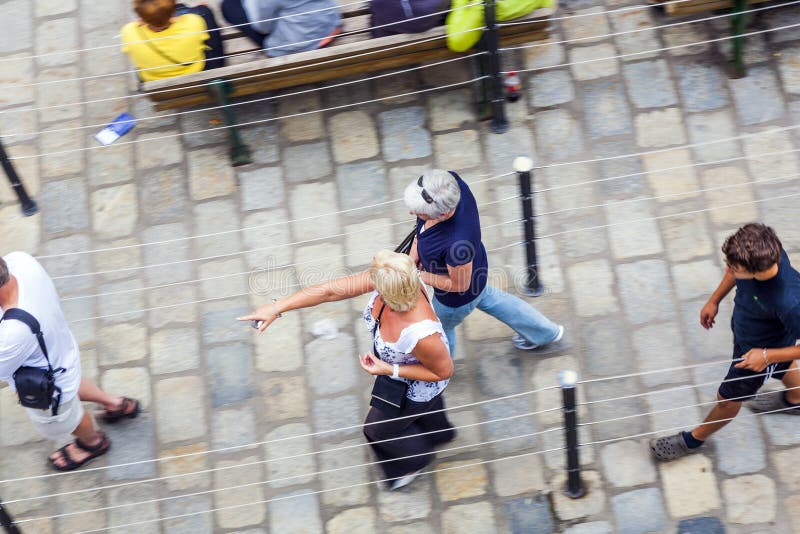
35	339
453	261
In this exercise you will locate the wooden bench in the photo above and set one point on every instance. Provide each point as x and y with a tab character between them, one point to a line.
690	7
354	52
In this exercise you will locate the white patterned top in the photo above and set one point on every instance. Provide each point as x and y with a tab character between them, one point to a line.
399	352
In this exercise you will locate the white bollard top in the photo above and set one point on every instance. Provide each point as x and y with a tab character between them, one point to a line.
567	379
523	164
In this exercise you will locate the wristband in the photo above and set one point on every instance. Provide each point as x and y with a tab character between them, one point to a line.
764	354
395	371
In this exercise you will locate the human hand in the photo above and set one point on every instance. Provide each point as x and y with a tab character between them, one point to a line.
374	366
265	315
708	313
754	360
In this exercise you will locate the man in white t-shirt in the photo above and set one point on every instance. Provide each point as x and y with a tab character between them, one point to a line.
24	284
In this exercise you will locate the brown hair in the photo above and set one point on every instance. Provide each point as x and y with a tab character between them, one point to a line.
754	247
4	274
155	12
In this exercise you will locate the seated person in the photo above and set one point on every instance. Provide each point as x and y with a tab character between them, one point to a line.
171	39
283	27
387	12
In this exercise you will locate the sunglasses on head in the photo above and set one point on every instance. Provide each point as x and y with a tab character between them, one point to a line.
425	196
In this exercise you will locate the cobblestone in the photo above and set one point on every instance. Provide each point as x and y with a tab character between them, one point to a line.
310	161
649	84
476	517
636	470
606	110
353	136
180	415
702	86
450	110
251	492
530	515
690	487
589	63
757	97
550	88
404	134
750	499
639	511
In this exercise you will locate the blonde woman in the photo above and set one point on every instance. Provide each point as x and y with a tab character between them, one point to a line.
410	359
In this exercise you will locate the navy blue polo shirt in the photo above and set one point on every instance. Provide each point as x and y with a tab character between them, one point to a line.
766	313
454	242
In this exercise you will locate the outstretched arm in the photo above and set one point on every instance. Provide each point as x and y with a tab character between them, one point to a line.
709	311
339	289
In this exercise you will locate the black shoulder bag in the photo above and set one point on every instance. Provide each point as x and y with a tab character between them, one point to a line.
36	387
388	394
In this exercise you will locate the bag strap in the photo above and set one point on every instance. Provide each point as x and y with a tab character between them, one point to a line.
25	317
157	50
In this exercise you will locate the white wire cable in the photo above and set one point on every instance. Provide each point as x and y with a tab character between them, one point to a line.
229	78
780	179
682	427
248	102
279	440
674	409
663	49
158	117
184	34
284	458
339	488
766	374
250	123
179	134
491	178
136	70
656	218
287	478
515	244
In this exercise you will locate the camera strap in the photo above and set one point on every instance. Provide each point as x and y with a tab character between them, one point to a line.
36	329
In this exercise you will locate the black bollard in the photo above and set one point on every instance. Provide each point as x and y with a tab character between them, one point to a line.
499	121
27	204
6	522
574	488
524	167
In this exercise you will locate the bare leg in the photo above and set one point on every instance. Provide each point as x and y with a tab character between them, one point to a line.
791	379
88	435
718	417
91	392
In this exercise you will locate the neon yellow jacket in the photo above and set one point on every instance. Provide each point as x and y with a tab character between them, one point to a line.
461	19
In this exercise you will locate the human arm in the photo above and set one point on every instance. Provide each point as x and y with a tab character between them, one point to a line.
758	358
711	307
435	362
17	344
339	289
457	279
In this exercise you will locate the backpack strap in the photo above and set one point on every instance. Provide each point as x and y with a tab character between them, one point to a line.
25	317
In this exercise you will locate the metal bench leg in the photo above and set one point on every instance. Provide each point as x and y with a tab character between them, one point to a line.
738	20
483	89
499	120
240	152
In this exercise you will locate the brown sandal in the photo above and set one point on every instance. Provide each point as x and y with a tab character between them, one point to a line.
95	451
130	408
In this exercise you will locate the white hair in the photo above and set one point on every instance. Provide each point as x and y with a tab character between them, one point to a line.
438	185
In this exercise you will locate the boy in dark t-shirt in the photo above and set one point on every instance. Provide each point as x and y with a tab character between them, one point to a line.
453	261
766	327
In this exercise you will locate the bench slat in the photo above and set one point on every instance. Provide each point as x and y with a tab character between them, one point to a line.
702	6
349	55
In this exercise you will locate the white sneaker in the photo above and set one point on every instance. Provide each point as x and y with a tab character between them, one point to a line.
523	344
403	481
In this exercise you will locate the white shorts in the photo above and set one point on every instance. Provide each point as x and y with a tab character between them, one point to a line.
56	427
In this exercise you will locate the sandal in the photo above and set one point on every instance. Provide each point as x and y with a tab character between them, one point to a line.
129	408
771	401
670	447
70	464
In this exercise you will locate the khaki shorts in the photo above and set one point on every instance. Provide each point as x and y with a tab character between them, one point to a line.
56	427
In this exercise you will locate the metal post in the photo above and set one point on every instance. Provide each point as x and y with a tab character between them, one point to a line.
6	522
567	380
524	167
738	21
499	121
239	152
27	204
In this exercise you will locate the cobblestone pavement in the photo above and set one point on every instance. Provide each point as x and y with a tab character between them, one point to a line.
627	279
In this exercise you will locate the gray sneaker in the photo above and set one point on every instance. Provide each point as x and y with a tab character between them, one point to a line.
771	401
670	448
523	344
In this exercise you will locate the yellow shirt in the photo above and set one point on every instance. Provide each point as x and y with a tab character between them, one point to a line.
183	42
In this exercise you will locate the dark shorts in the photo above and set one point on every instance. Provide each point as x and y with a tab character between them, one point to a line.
743	384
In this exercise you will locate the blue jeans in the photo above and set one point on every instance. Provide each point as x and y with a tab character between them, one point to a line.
511	310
